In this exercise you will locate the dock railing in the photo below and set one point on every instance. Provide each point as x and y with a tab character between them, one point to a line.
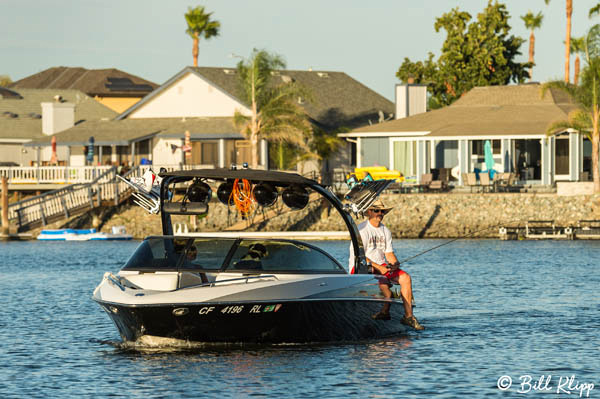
74	174
72	199
102	188
52	174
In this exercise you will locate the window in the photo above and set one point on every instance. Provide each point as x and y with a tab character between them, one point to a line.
157	253
205	153
154	254
262	256
207	254
478	147
562	155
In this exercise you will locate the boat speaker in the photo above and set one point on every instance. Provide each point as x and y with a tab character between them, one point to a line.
295	197
224	193
265	194
199	191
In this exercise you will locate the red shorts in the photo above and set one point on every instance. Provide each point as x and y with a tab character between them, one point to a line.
391	277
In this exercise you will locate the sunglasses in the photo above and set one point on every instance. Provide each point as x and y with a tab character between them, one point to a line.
378	211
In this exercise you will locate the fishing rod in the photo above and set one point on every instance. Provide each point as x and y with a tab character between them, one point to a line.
458	238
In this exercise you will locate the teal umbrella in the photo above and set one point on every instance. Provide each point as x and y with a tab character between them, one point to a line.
489	158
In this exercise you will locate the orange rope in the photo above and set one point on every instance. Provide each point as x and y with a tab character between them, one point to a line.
243	197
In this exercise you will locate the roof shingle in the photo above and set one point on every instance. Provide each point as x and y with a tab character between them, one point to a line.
90	81
491	110
28	124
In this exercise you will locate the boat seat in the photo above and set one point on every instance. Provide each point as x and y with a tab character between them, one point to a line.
248	264
157	281
188	279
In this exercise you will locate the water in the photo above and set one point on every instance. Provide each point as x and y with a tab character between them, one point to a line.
491	308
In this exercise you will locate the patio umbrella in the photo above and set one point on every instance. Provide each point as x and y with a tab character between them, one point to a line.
187	148
53	159
90	150
489	158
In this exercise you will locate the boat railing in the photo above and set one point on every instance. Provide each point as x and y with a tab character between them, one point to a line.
114	280
229	280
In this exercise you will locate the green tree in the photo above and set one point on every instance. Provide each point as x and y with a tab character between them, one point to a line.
587	95
477	53
199	24
532	22
324	145
5	80
274	111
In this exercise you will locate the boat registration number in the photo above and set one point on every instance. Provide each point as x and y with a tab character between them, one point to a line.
232	309
237	309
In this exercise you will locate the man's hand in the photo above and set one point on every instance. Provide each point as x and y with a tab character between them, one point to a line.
394	266
380	268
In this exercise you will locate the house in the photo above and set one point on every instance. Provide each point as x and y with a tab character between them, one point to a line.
199	102
513	118
114	88
32	114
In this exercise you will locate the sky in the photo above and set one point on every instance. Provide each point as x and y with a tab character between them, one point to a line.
368	40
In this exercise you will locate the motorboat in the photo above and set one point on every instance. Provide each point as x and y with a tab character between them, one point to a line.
117	233
245	287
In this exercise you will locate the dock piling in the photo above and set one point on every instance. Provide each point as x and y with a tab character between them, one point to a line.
5	225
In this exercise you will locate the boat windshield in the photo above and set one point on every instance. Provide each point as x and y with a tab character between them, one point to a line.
162	253
230	255
275	256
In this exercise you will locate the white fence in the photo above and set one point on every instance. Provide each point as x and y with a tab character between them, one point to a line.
73	174
52	174
63	202
73	198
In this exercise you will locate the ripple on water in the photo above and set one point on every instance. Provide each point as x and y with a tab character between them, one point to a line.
491	308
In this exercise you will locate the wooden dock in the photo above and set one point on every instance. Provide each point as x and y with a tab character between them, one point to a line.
548	230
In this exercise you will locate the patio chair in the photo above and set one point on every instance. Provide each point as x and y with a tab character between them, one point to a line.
426	180
428	184
471	181
484	179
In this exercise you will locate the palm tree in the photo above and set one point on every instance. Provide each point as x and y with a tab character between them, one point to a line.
199	23
569	9
586	119
577	47
274	111
532	22
594	10
568	40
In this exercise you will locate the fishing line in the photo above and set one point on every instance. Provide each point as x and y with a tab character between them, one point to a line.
459	238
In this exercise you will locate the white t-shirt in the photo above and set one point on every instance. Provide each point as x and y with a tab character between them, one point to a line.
377	241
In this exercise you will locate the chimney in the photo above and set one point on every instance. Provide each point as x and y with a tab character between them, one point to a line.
411	99
57	117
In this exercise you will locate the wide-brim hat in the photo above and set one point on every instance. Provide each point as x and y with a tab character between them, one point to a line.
379	205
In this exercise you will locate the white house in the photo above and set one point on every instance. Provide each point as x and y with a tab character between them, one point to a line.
513	118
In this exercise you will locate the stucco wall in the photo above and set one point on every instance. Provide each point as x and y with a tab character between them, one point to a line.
190	96
14	153
162	154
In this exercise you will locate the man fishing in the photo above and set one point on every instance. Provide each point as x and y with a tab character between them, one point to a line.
377	243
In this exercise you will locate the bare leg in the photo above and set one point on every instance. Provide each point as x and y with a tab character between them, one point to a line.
406	291
387	293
